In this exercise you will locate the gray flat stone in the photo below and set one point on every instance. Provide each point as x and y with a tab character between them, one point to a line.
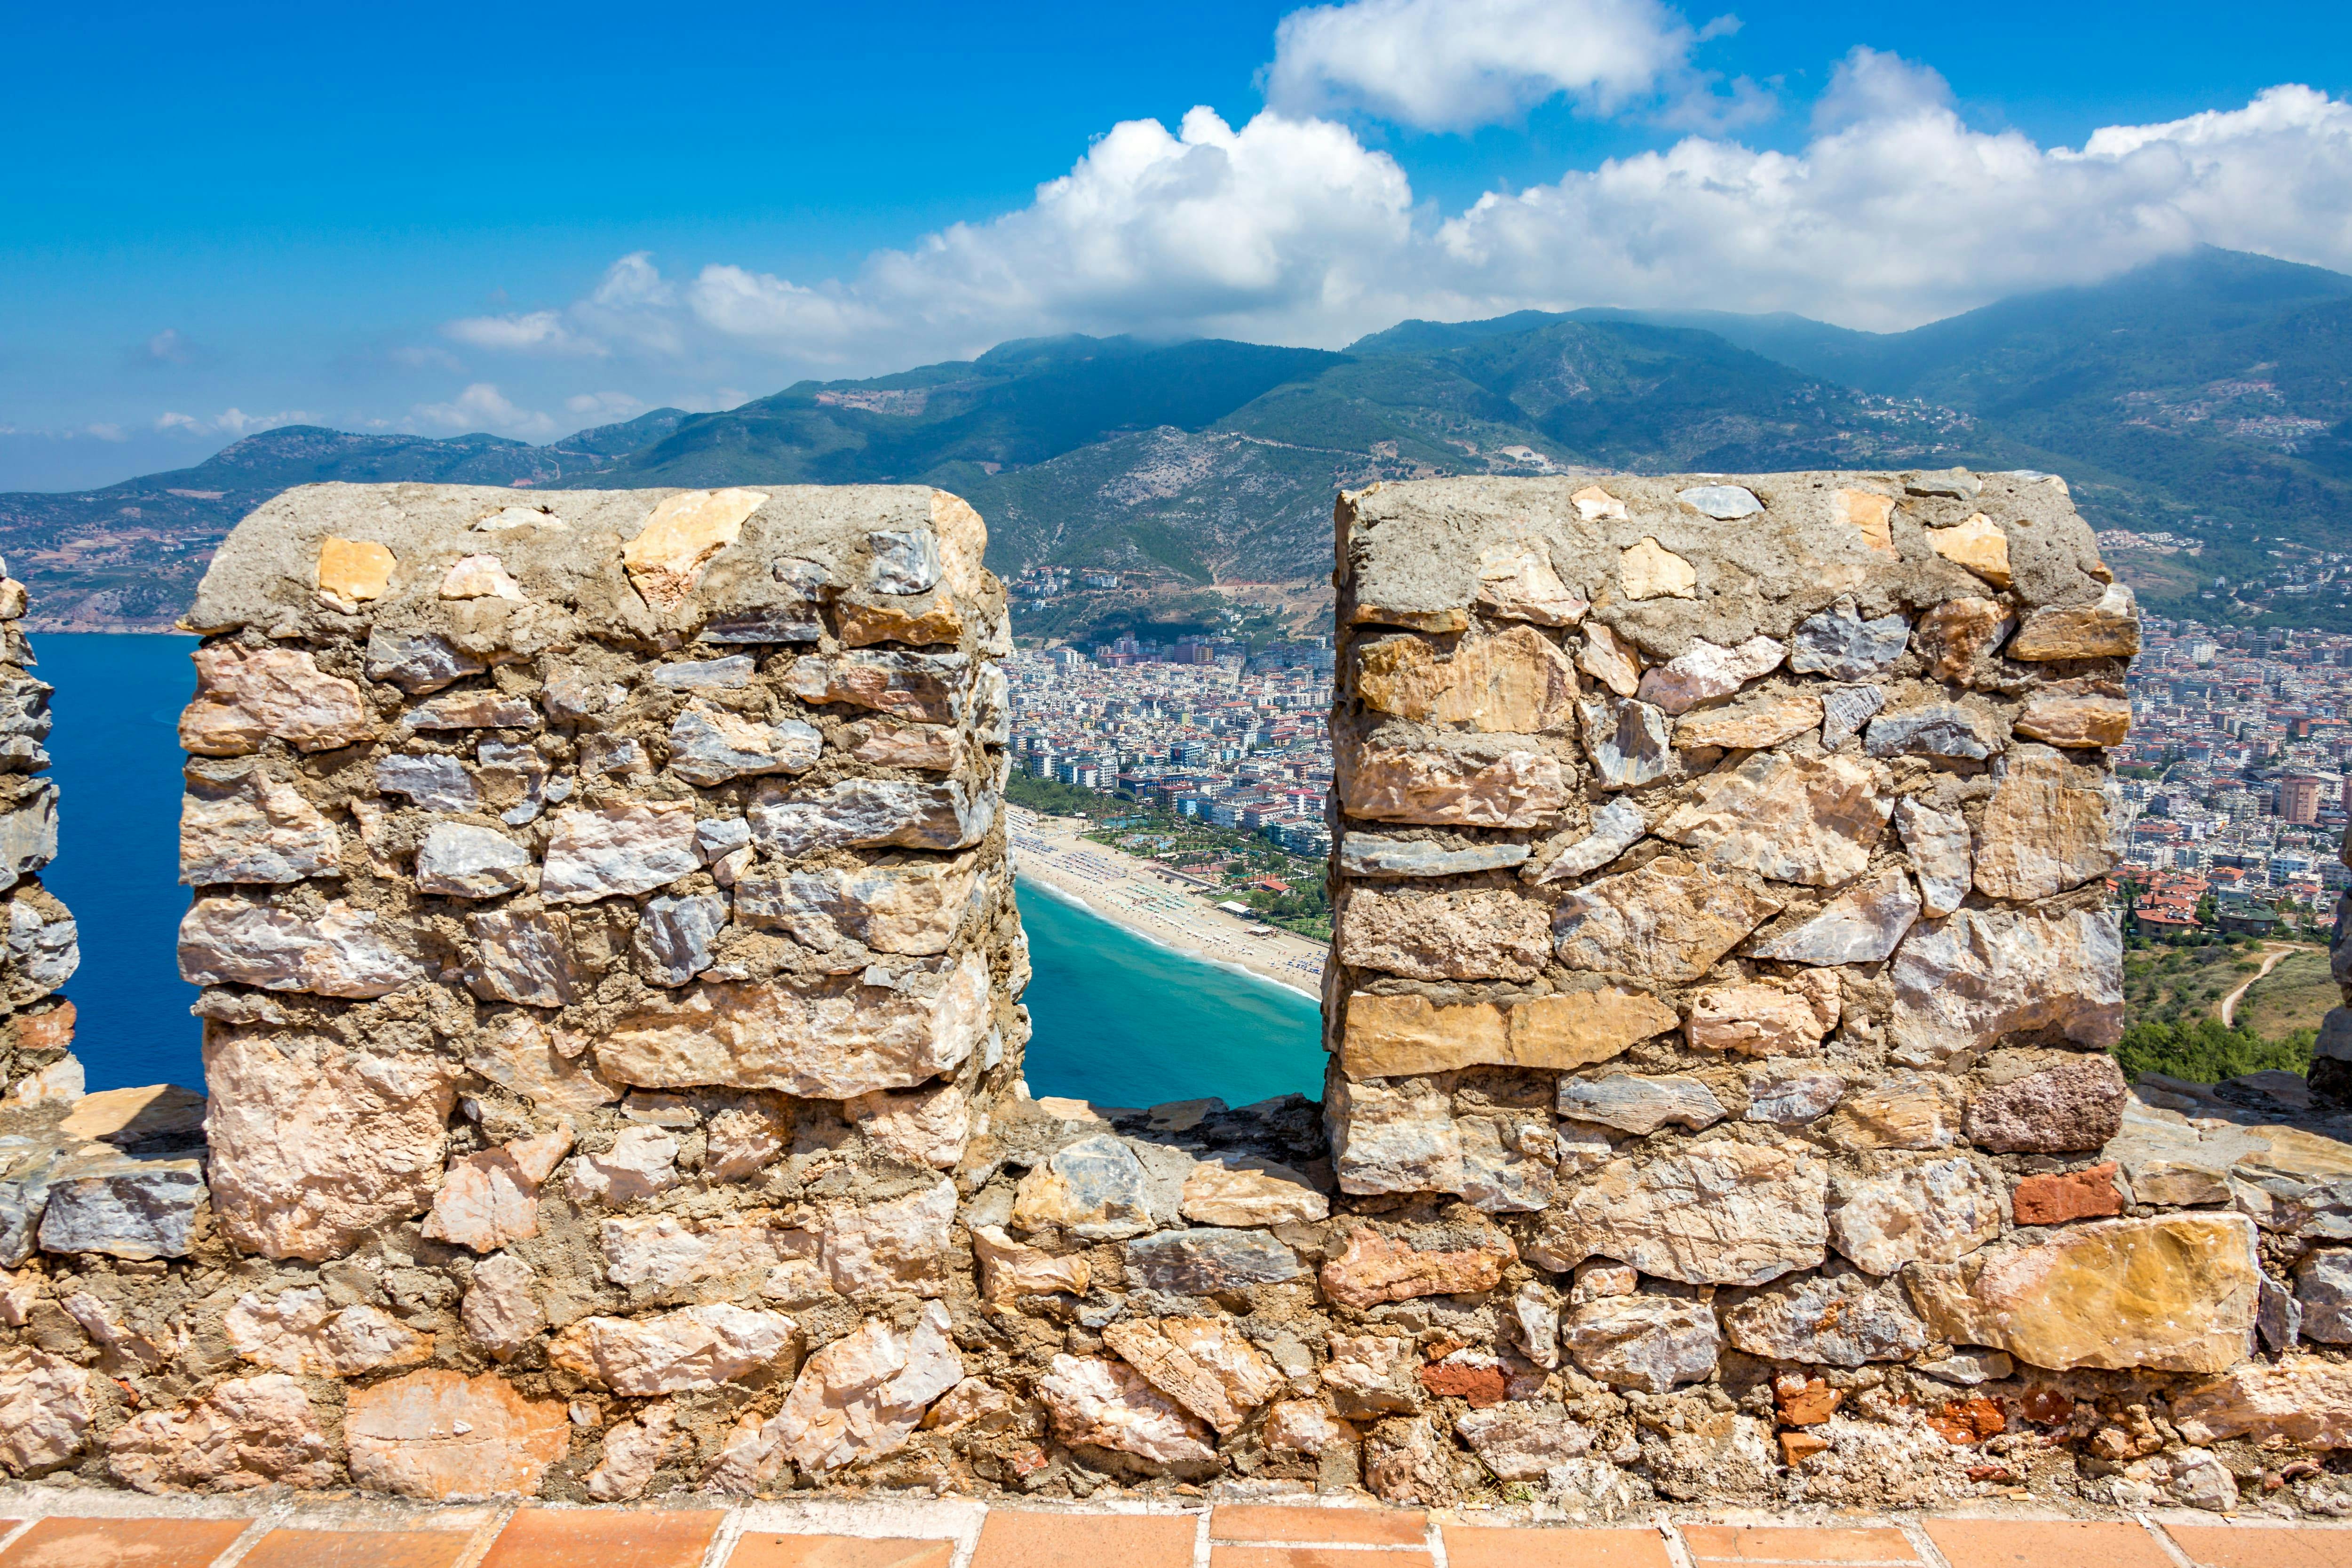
706	675
417	662
1203	1261
1639	1104
1844	710
1723	502
1938	729
123	1206
1368	855
674	936
430	783
1628	741
1839	644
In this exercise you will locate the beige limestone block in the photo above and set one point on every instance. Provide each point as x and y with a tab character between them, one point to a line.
2173	1293
640	1162
1707	670
2075	719
441	1436
662	1254
863	1395
1098	1403
489	1199
1712	1213
1958	633
681	536
2044	830
259	829
633	1451
1669	920
1792	818
296	1332
1514	682
480	577
522	955
1245	1190
247	1433
1651	571
897	1245
666	1352
618	849
930	748
1203	1364
1963	983
44	1409
973	1399
1593	504
2106	629
1760	722
1394	783
916	619
1767	1016
1388	1036
1909	1110
153	1111
1610	659
340	952
519	1053
1938	844
921	1127
828	1038
1374	1269
913	907
1373	1372
311	1146
1932	1212
354	570
1869	514
917	688
1009	1269
1979	545
501	1311
1304	1426
1516	583
2301	1399
246	696
1481	933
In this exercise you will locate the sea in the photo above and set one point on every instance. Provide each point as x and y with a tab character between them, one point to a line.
1117	1020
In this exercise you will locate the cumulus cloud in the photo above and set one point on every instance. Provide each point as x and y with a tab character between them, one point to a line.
1456	65
536	332
1290	228
232	422
481	407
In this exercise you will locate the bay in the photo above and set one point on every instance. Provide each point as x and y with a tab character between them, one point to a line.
1117	1020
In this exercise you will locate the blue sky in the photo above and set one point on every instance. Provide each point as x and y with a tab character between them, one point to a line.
529	219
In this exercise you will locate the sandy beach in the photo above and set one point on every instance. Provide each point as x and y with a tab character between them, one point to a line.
1155	903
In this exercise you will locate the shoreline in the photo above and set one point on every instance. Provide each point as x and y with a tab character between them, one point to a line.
1144	899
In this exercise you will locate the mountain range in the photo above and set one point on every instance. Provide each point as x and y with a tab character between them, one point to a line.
2203	402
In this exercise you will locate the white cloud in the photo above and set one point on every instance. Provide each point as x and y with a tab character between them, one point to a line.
167	347
481	407
606	406
412	356
232	422
538	333
106	432
1456	65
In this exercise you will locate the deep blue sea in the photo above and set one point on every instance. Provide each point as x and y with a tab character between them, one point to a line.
1118	1019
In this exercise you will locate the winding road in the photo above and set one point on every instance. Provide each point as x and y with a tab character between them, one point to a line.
2270	961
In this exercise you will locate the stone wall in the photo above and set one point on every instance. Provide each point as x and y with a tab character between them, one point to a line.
38	1069
610	991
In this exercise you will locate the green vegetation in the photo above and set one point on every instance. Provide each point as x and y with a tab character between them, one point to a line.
2293	997
2201	1051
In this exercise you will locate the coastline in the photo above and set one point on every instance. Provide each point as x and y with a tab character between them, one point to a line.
1146	900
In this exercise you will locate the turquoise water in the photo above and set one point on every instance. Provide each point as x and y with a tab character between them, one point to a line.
1117	1020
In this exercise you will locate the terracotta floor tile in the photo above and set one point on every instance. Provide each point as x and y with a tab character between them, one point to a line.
1358	1526
2262	1546
1317	1557
1025	1537
358	1549
1487	1546
765	1549
101	1542
2044	1543
602	1538
1792	1543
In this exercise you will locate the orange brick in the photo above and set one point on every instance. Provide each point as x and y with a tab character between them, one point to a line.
1356	1526
2044	1543
1789	1544
1021	1537
358	1549
2262	1546
764	1550
97	1542
1487	1546
1318	1557
605	1537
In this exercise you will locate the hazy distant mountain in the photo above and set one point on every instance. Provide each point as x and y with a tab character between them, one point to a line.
2207	395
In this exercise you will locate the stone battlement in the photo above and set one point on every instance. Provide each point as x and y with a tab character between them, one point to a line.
611	989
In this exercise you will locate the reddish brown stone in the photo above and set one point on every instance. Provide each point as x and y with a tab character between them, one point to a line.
2047	1406
1796	1447
1964	1421
2072	1194
1811	1404
1377	1268
1481	1386
52	1030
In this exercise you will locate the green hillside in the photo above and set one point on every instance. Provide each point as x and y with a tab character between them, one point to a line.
2206	397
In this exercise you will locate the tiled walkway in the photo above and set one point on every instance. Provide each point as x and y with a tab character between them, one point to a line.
73	1533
